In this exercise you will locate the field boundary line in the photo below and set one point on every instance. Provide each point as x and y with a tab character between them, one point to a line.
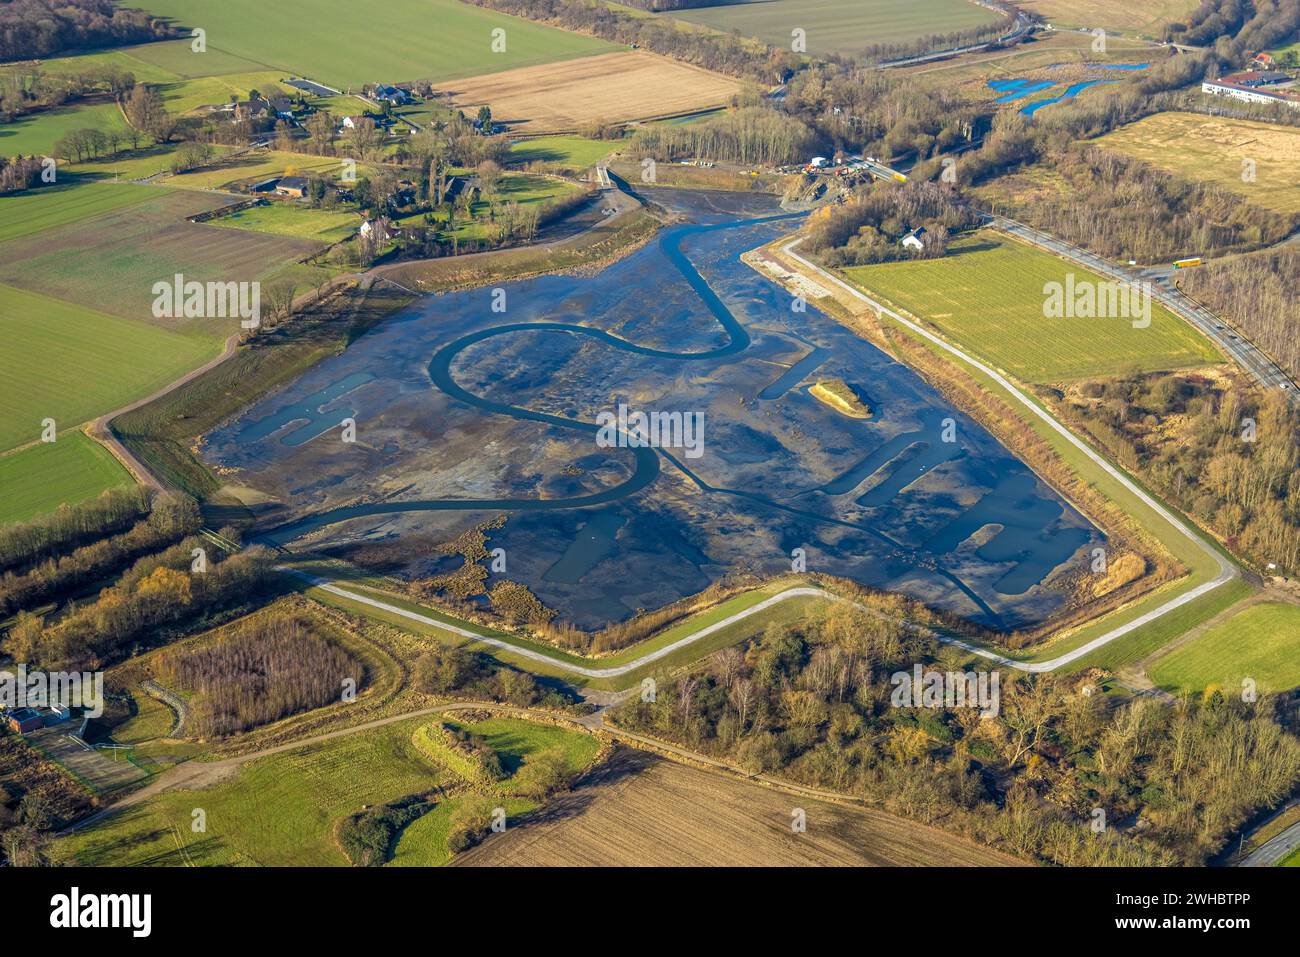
1227	570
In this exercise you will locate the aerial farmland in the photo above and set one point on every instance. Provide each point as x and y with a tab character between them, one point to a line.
555	433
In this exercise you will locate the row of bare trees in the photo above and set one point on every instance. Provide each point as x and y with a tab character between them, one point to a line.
43	28
1260	294
159	599
1229	458
171	518
753	134
259	670
48	536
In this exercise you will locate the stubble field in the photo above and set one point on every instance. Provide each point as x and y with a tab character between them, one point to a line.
1254	160
614	87
642	811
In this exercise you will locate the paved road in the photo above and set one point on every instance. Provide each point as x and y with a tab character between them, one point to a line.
1259	366
1022	25
1227	571
541	657
1274	849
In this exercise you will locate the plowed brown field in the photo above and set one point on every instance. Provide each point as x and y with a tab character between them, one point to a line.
642	810
614	86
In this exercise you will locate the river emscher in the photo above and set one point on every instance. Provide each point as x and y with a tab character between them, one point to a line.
464	413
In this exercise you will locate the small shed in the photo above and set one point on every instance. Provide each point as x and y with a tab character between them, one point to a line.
913	239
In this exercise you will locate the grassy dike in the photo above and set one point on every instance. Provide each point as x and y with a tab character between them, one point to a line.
785	612
1200	567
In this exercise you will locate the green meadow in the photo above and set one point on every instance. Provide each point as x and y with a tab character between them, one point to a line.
300	222
839	26
71	363
38	479
36	133
70	200
402	40
1261	642
282	809
987	294
571	151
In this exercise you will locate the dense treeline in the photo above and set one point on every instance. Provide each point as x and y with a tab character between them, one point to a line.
1260	294
1211	20
814	702
158	599
1124	209
861	108
752	134
260	670
458	671
1228	458
1237	27
41	28
171	518
868	228
67	527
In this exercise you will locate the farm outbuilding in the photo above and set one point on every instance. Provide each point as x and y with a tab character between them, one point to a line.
295	186
25	720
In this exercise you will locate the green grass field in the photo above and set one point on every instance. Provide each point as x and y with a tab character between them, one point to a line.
121	58
300	222
276	811
1262	642
1215	149
182	96
136	164
70	200
178	57
988	293
152	720
37	480
257	166
840	26
36	133
281	810
71	363
1145	19
163	62
571	151
409	40
111	262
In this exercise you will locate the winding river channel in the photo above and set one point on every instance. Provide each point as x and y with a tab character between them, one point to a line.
500	417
